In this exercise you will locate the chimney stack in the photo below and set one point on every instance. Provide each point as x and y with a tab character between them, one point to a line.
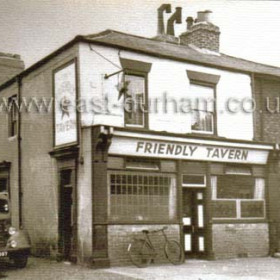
202	33
175	18
163	8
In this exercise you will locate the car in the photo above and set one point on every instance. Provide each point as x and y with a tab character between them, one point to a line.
14	243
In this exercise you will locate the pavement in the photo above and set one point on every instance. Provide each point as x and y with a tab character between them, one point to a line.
244	269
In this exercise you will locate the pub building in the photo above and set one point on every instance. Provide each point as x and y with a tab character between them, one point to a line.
84	183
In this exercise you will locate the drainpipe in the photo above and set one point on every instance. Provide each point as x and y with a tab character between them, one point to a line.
261	112
19	154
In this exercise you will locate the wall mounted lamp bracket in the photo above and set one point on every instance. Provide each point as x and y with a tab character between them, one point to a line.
113	74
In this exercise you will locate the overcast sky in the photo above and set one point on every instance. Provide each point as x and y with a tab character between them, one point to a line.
34	28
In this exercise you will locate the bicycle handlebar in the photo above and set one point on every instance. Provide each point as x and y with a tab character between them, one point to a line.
154	231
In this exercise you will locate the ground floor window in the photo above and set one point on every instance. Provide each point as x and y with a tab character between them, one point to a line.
238	196
142	197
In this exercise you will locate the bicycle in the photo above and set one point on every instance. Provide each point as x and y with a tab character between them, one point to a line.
142	251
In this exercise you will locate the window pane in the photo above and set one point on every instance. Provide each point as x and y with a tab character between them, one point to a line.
238	170
235	187
13	115
203	105
194	180
142	164
3	185
252	209
202	121
135	100
224	209
142	197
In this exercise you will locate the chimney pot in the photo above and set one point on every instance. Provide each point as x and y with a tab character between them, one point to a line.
175	18
203	34
189	21
163	8
204	16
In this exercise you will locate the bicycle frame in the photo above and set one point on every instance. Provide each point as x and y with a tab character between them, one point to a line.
142	258
148	240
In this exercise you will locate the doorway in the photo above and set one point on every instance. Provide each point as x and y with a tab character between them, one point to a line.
193	222
67	217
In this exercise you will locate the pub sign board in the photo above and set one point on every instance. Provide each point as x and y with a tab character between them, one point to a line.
65	114
187	151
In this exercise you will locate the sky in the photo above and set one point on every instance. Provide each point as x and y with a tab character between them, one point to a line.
35	28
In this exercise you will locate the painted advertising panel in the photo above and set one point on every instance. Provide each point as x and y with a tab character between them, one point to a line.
190	151
65	105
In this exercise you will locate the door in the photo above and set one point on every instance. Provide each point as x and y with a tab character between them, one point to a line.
193	222
67	215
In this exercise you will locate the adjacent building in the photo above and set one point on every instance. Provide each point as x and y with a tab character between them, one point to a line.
106	144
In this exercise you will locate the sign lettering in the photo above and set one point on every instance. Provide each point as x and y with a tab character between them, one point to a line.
171	150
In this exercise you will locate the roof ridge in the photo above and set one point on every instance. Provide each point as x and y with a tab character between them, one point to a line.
108	31
251	61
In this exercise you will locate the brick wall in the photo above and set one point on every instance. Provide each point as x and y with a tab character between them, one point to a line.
202	35
119	237
240	240
267	114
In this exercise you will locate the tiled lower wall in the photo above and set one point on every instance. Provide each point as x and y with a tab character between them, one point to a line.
240	240
119	237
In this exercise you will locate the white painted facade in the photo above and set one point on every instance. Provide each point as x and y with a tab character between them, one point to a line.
166	77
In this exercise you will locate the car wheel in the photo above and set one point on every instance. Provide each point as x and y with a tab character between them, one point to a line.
20	261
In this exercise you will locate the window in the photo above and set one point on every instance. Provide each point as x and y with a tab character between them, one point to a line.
136	97
147	164
3	184
235	187
13	115
203	108
142	197
194	180
238	196
135	100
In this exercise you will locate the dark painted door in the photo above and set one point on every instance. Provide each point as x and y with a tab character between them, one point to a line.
193	222
66	219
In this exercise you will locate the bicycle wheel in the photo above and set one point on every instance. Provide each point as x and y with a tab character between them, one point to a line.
140	253
174	252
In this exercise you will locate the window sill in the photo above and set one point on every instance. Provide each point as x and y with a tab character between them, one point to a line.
12	138
239	221
143	223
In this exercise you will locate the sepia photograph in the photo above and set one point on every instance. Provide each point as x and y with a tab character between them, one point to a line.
140	139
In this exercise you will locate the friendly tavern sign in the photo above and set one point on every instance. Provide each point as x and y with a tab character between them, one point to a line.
188	151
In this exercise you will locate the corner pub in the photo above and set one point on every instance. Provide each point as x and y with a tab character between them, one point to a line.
99	179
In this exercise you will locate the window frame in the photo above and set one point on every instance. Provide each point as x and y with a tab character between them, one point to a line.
144	160
13	116
214	113
238	202
145	114
126	220
5	174
194	185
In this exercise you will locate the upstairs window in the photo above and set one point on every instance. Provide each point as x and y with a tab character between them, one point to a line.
136	92
202	94
135	100
13	115
203	108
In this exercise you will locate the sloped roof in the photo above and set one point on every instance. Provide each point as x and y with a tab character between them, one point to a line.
150	46
178	52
